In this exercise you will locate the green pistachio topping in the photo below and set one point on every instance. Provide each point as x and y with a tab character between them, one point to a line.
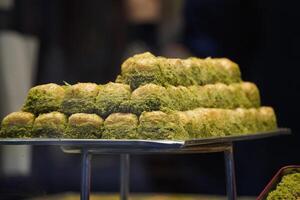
44	98
50	125
82	125
17	125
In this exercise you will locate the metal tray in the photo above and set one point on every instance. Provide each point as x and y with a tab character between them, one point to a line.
144	144
276	179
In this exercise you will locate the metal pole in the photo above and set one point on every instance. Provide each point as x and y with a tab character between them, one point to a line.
85	175
230	174
124	180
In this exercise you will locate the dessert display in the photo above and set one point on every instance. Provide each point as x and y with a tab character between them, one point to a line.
153	98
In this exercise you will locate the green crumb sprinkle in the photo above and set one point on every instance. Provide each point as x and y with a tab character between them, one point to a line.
44	98
110	97
50	125
149	97
120	126
17	125
80	98
158	125
82	125
288	188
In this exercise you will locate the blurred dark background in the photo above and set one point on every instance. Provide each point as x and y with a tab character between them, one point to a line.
86	41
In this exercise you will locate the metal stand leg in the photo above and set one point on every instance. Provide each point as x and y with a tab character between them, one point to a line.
85	175
230	174
125	166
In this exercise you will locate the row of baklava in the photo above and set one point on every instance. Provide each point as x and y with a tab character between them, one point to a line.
155	125
146	68
116	97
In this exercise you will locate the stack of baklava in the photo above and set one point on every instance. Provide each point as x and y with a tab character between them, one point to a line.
153	98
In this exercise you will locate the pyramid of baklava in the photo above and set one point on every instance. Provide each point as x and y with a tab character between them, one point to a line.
152	98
